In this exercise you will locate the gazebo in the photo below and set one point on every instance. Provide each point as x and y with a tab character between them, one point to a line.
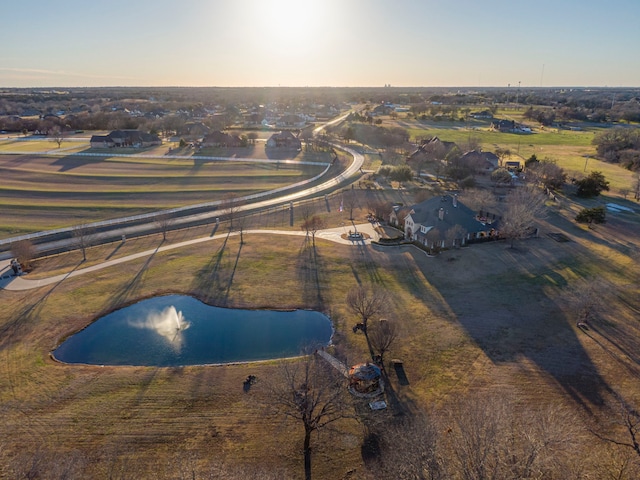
365	380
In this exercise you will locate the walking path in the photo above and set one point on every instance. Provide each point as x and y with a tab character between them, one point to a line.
9	282
334	362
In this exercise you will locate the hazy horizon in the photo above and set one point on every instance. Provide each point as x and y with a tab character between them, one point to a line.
328	43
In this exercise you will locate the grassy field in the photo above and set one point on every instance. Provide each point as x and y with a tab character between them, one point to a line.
44	192
573	150
481	318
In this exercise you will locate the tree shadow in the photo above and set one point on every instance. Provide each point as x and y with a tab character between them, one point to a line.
309	267
508	324
16	326
361	255
77	160
128	292
115	250
279	153
208	277
213	281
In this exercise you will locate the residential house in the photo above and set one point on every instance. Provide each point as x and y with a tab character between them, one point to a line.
504	126
195	130
484	114
429	150
284	139
445	221
482	162
398	214
221	139
125	138
253	119
101	141
381	110
509	126
291	121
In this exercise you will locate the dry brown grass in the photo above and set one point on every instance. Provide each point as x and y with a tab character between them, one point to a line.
43	193
480	318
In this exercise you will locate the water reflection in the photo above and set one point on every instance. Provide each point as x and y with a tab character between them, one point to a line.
168	323
175	330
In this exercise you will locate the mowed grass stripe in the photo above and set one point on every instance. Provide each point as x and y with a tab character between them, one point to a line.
199	173
122	197
488	137
158	186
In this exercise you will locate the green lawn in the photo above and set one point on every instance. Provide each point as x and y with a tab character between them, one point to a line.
573	150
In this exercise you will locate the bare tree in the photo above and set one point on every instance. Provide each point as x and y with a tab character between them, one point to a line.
379	208
311	392
306	212
547	174
434	238
382	335
164	222
82	237
501	176
453	235
587	300
472	143
312	225
623	421
24	252
479	200
490	437
624	192
231	206
502	154
525	205
349	201
410	450
367	303
57	135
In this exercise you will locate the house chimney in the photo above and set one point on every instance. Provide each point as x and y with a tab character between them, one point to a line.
455	201
441	213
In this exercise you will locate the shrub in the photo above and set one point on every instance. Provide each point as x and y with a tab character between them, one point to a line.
592	215
592	185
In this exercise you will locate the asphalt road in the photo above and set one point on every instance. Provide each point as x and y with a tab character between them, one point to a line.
63	240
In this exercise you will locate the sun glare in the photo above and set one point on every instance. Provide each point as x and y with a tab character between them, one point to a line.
288	24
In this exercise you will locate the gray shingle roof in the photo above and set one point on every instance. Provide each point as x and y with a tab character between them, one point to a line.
426	214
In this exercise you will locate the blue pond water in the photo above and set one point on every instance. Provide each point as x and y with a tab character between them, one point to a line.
177	330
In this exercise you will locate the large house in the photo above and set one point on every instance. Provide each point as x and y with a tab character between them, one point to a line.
504	126
429	150
284	139
221	139
125	138
443	222
481	161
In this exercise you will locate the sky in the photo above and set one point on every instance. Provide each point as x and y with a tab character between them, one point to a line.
231	43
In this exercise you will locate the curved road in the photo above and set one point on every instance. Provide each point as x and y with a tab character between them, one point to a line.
119	229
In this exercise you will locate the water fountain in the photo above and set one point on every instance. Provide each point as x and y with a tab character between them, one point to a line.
176	330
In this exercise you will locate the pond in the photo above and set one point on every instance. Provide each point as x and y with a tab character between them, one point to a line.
177	330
